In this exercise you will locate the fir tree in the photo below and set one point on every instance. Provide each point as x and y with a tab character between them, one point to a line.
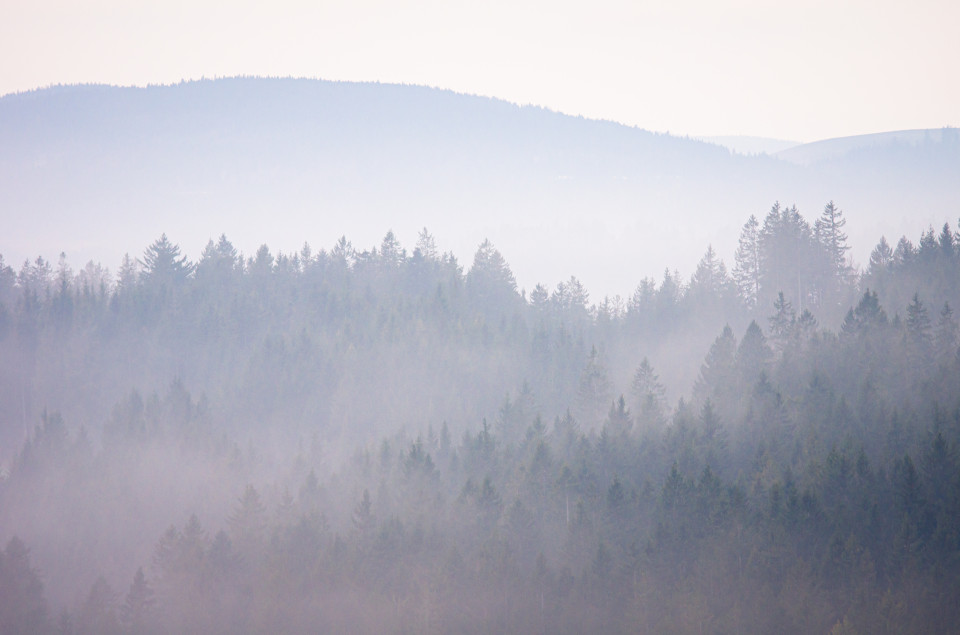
746	270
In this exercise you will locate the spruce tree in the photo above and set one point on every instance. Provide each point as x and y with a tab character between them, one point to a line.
829	232
746	270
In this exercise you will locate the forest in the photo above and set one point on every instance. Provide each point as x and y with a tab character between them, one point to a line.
376	440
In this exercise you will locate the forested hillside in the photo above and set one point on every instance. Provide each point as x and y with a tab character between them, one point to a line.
282	160
388	440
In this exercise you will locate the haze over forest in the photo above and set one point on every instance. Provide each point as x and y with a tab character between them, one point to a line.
285	161
373	358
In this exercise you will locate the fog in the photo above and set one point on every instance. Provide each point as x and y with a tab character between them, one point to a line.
303	356
103	170
402	439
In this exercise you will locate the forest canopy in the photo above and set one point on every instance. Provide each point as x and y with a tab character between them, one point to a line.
375	440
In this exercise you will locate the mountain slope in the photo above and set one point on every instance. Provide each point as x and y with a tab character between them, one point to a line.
839	149
281	161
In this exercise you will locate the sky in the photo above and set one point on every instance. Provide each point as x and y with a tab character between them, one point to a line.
802	70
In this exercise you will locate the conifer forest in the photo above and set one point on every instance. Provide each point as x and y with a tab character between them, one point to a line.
390	439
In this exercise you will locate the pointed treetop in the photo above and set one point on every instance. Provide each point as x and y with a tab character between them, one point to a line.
163	264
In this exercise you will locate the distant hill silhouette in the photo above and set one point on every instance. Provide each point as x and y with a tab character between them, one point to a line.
894	145
751	145
95	171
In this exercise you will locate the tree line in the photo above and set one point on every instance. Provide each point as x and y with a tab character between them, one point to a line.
371	440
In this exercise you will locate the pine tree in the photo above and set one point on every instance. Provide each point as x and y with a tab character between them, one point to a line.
948	249
746	270
426	246
23	609
945	338
248	524
8	293
918	330
806	327
363	519
753	355
343	254
490	283
62	301
570	301
163	264
905	253
829	231
219	263
98	615
260	266
128	275
619	422
782	323
391	253
868	315
716	373
649	395
35	279
881	258
709	423
136	613
594	391
222	560
880	270
710	278
790	258
928	250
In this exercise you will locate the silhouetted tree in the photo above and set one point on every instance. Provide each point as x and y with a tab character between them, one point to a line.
163	265
23	609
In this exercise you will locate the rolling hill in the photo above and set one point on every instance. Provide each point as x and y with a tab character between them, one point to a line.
95	171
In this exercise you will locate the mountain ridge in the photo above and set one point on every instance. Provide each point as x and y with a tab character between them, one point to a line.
287	161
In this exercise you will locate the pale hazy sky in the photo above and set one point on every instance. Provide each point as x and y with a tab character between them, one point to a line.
801	70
